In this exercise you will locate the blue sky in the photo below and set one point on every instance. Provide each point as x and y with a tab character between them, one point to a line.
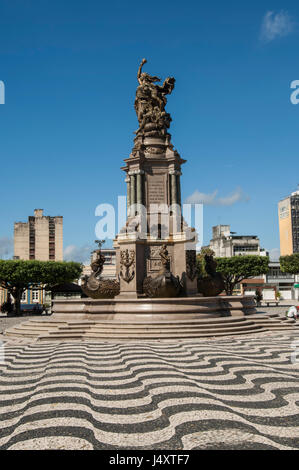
69	69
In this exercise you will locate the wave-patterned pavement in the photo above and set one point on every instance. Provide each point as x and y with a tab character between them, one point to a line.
231	393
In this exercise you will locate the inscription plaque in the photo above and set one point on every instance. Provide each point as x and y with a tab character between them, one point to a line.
156	189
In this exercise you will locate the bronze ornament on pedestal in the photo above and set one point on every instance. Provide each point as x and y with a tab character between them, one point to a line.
165	284
94	286
212	283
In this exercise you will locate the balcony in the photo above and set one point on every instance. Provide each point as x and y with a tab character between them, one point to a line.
273	279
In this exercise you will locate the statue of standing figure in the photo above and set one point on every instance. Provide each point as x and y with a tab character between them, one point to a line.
150	102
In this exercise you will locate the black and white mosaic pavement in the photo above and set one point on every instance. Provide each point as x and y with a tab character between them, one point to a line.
229	393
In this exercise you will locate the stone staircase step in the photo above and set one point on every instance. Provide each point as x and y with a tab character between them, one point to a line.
156	332
169	328
117	338
33	328
275	325
111	330
179	322
66	337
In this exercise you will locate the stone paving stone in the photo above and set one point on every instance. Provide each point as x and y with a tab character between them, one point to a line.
224	393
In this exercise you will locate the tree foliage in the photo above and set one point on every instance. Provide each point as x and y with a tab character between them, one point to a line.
19	275
237	268
290	263
201	263
7	307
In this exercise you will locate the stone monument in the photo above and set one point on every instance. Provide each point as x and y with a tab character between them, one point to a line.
153	175
155	250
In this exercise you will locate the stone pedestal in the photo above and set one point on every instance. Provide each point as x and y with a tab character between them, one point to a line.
145	309
130	260
153	173
146	262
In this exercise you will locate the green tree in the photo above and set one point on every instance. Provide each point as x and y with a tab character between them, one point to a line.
200	261
290	263
19	275
237	268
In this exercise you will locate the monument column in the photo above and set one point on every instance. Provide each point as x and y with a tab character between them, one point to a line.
153	179
173	186
127	180
139	187
179	201
133	190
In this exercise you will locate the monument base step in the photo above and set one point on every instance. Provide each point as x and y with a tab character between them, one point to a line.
109	330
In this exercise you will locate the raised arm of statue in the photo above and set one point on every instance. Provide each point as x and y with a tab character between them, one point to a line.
140	69
167	86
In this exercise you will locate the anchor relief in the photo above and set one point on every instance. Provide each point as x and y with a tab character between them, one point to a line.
127	261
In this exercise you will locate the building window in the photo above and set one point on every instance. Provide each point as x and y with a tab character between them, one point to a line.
35	295
275	272
243	248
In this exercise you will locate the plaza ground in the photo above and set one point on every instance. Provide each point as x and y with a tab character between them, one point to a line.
238	392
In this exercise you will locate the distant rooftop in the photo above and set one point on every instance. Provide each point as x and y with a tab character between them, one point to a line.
294	193
243	236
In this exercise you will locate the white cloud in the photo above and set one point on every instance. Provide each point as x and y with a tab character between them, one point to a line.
213	200
274	254
81	254
6	247
276	25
